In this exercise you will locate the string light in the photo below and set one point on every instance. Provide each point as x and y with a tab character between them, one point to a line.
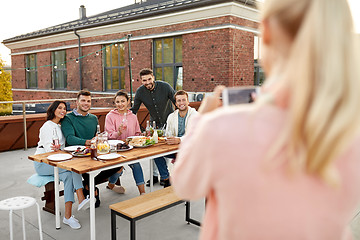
77	60
55	67
27	69
97	53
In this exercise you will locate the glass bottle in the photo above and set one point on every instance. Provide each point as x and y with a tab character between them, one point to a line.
147	130
123	125
55	139
97	130
93	150
155	136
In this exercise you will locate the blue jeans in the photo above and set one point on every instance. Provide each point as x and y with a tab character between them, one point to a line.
72	181
162	167
137	174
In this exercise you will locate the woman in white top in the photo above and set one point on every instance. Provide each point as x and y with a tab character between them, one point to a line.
72	181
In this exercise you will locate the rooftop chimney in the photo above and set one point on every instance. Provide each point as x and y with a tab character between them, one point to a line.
82	12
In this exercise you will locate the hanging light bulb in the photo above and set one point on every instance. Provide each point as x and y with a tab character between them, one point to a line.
77	60
27	69
97	53
116	44
55	67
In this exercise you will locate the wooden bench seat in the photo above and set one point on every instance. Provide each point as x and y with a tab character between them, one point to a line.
142	206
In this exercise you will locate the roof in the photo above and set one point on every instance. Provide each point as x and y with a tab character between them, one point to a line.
123	14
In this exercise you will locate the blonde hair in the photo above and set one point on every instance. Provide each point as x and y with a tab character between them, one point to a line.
323	83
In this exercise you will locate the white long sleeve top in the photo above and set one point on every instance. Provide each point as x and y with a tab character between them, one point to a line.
172	122
46	135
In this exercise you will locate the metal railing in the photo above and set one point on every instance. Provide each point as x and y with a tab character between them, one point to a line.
40	101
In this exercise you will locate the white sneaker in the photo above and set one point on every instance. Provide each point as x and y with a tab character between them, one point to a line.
83	203
72	222
74	218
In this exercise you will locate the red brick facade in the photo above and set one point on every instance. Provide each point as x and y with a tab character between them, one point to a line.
223	56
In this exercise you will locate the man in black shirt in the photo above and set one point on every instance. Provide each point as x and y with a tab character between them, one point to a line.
157	96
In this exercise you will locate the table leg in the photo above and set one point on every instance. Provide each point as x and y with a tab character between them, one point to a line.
23	224
11	225
57	198
151	174
92	206
113	225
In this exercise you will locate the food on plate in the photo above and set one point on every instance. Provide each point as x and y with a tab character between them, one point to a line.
141	141
122	146
82	151
162	139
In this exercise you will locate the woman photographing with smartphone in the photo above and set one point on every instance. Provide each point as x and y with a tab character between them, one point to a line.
52	139
288	163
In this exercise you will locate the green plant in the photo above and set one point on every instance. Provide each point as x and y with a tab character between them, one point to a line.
5	90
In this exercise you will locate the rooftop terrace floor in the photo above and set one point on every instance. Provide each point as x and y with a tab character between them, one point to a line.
169	224
15	170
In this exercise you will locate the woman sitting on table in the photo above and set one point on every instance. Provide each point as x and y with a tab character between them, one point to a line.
55	114
121	123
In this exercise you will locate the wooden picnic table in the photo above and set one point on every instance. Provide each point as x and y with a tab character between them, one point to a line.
92	167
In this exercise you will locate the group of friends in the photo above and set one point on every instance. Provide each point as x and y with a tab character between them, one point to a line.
283	167
79	127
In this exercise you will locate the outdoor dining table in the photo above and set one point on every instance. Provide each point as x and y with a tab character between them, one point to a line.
92	167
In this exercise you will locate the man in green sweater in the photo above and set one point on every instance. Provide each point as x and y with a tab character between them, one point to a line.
79	127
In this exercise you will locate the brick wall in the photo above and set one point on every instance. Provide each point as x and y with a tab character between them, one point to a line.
210	58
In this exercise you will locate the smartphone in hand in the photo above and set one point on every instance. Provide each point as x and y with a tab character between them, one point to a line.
239	95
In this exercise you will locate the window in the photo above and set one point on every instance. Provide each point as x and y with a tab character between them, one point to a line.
59	73
114	67
31	71
259	76
168	61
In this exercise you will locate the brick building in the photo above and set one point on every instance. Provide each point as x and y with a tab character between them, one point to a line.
192	44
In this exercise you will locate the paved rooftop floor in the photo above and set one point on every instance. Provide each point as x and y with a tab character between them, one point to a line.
15	168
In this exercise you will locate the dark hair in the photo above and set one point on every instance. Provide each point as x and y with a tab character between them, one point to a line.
51	110
181	92
121	93
146	71
84	93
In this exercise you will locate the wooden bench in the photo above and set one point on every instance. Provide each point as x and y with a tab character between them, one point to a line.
145	205
49	192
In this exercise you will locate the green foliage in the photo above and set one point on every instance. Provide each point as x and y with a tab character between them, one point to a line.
5	90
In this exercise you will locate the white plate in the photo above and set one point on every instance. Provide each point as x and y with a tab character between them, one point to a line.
72	148
127	149
59	157
131	137
143	146
109	156
115	142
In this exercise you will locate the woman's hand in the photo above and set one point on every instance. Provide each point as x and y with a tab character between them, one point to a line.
212	102
55	148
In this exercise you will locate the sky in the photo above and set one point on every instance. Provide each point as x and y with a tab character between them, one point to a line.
23	16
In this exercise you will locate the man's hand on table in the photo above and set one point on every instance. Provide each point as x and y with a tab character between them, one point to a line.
173	140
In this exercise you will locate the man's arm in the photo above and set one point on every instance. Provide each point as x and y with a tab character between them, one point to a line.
137	102
171	94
